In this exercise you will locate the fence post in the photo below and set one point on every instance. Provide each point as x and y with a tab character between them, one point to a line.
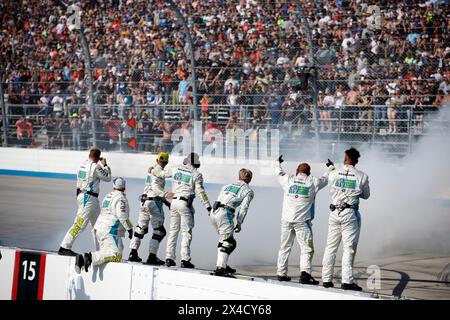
339	128
4	117
373	124
191	57
88	61
314	74
409	129
91	102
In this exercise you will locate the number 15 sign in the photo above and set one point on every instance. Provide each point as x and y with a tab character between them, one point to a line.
29	273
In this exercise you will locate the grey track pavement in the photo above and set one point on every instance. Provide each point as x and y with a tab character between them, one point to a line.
36	212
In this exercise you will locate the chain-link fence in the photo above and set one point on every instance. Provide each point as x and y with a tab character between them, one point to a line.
369	74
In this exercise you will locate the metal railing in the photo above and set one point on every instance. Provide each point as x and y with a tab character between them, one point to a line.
140	128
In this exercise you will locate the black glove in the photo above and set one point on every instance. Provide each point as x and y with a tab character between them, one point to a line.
329	163
166	202
130	233
143	198
209	210
280	159
216	205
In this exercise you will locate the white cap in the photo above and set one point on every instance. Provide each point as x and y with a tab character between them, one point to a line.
119	183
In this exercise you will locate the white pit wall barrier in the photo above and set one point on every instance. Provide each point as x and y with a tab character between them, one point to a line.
135	165
34	275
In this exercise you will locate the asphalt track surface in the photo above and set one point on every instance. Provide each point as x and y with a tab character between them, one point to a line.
35	213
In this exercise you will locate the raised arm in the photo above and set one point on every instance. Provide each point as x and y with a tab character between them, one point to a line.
283	178
103	171
323	180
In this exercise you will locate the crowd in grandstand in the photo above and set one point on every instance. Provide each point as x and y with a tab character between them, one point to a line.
253	67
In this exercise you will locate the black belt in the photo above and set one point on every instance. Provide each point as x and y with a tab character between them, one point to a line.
94	194
182	198
163	200
343	206
189	200
218	204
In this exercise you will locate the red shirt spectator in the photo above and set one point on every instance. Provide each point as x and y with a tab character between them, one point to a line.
24	128
113	126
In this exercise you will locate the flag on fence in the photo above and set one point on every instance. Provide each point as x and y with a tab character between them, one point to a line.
132	143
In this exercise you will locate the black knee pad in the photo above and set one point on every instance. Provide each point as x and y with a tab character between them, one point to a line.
161	236
138	235
231	245
143	229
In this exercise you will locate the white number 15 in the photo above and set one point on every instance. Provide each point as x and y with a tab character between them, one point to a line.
30	270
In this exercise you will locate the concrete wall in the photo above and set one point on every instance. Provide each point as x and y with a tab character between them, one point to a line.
63	164
26	274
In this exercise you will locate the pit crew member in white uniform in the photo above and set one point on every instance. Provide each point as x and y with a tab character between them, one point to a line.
186	182
151	210
231	197
110	229
89	175
347	186
296	221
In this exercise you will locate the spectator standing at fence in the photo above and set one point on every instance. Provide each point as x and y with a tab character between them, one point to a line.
418	110
150	98
339	102
57	103
379	105
166	141
144	127
365	113
182	91
85	127
75	125
274	110
50	130
232	101
288	114
351	113
205	106
212	129
43	103
64	131
158	104
113	127
328	107
24	130
393	103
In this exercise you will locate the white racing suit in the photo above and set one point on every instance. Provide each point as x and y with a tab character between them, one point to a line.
347	186
110	228
152	210
186	181
89	176
231	197
298	211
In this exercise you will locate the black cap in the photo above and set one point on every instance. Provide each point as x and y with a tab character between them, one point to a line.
353	154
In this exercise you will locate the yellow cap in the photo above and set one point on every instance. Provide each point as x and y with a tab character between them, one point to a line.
163	157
